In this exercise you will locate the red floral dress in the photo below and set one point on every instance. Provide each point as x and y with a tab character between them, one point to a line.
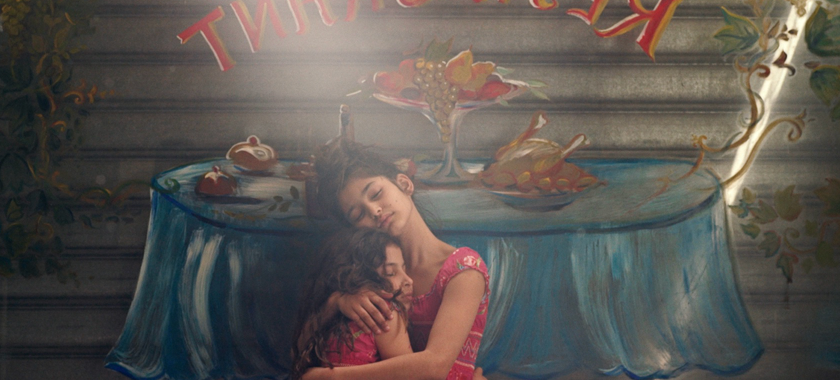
364	349
424	309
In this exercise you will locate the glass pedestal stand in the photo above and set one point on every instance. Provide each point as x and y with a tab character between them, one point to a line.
450	172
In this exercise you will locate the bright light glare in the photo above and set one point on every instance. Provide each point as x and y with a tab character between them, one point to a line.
770	88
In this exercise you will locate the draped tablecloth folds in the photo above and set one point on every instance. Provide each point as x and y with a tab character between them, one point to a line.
626	279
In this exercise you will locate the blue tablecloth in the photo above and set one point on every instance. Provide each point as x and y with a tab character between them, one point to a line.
633	277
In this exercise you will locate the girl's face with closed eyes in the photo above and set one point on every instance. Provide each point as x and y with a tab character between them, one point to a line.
394	271
378	202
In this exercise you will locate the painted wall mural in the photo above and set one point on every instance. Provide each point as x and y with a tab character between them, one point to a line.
607	265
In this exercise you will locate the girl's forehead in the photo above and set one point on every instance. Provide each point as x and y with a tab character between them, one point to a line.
355	188
393	253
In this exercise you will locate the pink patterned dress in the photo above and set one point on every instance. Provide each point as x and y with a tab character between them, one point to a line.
364	349
424	309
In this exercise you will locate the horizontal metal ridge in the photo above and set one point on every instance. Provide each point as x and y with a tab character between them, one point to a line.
434	9
116	301
634	58
279	106
54	352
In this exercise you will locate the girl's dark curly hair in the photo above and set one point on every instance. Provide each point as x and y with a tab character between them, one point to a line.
349	260
341	160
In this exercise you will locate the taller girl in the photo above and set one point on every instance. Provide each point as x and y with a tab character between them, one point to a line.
451	285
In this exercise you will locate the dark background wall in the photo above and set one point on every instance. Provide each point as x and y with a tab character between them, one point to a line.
172	105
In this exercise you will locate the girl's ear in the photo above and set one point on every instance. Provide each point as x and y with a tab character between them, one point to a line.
405	184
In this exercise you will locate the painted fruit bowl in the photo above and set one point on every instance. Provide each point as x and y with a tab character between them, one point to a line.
533	174
541	201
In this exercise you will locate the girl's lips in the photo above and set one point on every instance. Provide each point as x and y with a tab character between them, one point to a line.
385	220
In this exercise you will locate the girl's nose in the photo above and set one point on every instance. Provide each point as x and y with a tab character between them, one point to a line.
374	210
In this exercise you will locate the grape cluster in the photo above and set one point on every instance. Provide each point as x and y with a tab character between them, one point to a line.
12	18
438	93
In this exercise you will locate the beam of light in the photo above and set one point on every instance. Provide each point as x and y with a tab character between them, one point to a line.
770	89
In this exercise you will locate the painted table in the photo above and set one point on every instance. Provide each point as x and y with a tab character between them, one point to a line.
626	279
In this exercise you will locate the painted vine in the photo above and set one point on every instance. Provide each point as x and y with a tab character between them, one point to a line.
754	43
42	115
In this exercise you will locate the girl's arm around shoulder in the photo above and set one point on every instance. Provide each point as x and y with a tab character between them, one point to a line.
452	325
394	341
369	309
458	309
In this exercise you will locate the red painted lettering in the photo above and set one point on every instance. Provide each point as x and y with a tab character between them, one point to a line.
302	20
656	20
353	8
254	31
207	28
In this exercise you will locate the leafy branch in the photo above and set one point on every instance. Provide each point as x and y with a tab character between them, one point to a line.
823	235
42	115
753	47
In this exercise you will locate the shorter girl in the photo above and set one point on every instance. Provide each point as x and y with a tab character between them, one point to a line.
351	260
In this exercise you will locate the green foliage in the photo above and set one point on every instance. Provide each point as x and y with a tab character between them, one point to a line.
825	82
41	116
830	195
822	237
438	51
752	230
771	244
787	203
822	33
739	35
785	263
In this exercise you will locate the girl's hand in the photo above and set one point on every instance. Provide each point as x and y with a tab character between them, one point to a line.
479	374
317	373
368	309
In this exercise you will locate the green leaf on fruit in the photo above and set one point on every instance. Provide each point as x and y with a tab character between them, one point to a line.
825	255
830	195
764	213
787	203
825	83
771	244
752	230
536	83
785	263
739	34
811	228
822	33
539	94
438	51
503	70
807	265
